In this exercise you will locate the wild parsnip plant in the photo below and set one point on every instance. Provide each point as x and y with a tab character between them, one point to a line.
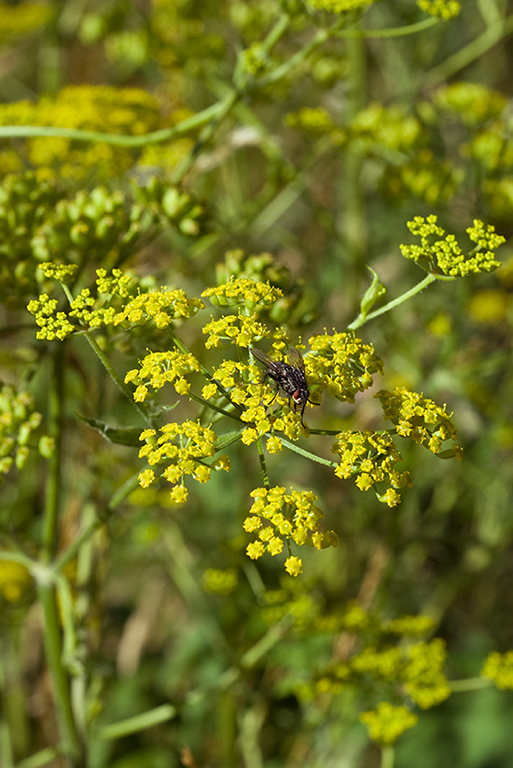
211	568
337	364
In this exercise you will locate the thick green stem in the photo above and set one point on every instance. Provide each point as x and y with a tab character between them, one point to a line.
72	746
53	483
387	757
52	631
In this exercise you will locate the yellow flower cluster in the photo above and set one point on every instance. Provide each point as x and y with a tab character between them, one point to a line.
412	626
498	667
95	108
160	368
386	126
492	148
295	602
387	722
472	102
422	674
255	59
442	9
315	121
84	307
240	330
53	324
372	458
183	448
420	419
279	516
444	256
64	273
341	364
114	284
220	581
160	306
429	178
415	669
243	291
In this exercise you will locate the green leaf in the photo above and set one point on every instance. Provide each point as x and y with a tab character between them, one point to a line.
126	436
227	439
373	293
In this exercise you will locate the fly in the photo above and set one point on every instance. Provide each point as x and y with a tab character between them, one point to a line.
290	377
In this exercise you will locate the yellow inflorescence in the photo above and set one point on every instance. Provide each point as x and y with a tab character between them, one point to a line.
160	368
442	9
419	419
372	458
240	330
278	517
388	721
498	667
341	364
160	306
182	448
444	256
243	291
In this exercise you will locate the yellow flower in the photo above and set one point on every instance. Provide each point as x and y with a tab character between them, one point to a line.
146	477
255	550
293	565
387	722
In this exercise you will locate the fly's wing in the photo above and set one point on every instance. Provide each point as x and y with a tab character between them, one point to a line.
263	358
295	359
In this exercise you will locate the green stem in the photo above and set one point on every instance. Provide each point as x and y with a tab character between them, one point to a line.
165	134
263	464
362	318
52	631
409	29
53	485
141	722
167	711
306	454
115	376
471	52
316	42
211	406
471	684
52	635
387	757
